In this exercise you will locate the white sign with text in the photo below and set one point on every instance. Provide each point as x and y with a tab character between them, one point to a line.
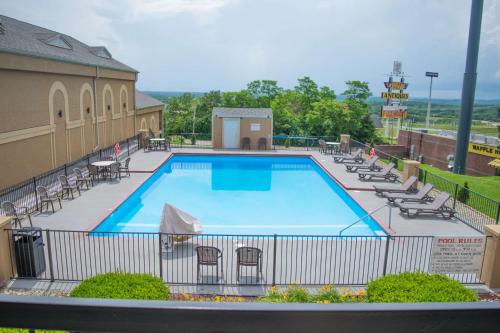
254	127
457	255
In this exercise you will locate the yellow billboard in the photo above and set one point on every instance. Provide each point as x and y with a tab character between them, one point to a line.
485	150
395	95
396	85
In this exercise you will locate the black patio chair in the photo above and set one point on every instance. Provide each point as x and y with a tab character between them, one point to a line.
47	198
67	188
93	172
248	256
124	168
245	142
81	179
114	171
18	213
209	256
262	143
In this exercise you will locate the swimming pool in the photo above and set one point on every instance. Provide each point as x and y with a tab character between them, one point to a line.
250	195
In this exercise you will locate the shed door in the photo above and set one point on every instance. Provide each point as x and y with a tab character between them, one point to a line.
231	133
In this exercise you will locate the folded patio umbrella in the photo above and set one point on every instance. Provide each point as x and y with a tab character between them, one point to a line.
177	221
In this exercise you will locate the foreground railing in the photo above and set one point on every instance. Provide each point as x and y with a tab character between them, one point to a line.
285	259
106	315
24	194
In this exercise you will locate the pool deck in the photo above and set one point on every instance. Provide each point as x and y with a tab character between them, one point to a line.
106	196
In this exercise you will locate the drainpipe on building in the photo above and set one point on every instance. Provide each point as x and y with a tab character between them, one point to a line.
135	110
95	108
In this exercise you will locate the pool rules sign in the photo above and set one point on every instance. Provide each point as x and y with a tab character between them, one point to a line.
457	255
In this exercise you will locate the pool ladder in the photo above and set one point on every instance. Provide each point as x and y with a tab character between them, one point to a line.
370	214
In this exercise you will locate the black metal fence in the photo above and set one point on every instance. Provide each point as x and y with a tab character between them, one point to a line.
306	260
24	194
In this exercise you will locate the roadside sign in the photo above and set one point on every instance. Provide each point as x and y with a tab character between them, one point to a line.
457	255
393	112
431	74
396	85
395	95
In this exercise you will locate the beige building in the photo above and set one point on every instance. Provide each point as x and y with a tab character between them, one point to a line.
234	127
60	99
149	112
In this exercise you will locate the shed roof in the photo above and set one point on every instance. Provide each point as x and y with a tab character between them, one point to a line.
143	100
243	112
27	39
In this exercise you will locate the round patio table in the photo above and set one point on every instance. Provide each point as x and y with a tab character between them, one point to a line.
102	166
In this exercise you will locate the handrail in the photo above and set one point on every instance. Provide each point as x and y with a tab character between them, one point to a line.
369	214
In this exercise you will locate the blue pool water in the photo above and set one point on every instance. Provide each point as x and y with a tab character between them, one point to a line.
244	195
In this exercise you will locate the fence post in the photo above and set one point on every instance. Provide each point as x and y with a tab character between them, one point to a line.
275	237
36	194
160	255
386	255
455	195
425	176
100	154
49	252
88	159
65	170
498	212
128	148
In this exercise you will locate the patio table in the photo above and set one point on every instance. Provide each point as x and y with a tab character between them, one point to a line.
102	166
333	146
158	142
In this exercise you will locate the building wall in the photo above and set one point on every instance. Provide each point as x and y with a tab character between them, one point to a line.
266	131
149	118
49	119
435	149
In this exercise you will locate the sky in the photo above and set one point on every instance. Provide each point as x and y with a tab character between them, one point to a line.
203	45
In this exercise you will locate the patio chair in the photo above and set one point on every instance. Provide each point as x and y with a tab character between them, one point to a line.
109	158
248	256
322	146
93	172
406	187
384	174
421	195
114	171
246	142
167	143
18	213
437	207
47	198
81	179
356	157
262	143
368	165
124	168
147	143
209	256
151	133
67	188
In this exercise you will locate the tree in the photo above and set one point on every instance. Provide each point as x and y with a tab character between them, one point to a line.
328	117
360	124
309	90
287	113
358	91
264	91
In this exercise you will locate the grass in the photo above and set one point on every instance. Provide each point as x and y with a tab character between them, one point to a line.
488	186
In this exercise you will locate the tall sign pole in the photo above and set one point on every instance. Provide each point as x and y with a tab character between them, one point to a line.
427	119
468	88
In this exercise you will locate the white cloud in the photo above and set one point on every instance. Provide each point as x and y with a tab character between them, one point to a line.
142	8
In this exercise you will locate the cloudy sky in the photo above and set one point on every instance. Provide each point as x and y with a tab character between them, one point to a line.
201	45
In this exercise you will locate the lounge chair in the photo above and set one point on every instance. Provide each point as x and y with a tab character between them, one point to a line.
18	213
124	168
437	207
81	179
67	188
248	256
385	173
421	195
209	256
406	187
262	143
368	165
356	157
245	142
47	198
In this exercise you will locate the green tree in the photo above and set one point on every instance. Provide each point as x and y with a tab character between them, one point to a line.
357	91
309	91
360	124
287	113
327	118
263	92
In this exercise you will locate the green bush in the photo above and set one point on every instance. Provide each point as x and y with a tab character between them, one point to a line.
122	286
463	194
298	294
418	287
193	139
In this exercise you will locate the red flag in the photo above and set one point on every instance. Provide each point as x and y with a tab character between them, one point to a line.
117	149
372	152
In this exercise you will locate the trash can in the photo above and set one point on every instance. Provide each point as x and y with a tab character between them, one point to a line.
28	249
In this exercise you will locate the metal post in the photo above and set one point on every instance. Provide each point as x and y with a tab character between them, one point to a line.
49	252
498	212
468	88
386	255
425	176
390	215
160	255
427	119
128	148
275	237
455	196
36	193
65	170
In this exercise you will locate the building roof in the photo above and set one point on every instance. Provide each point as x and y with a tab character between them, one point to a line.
495	163
143	100
26	39
243	112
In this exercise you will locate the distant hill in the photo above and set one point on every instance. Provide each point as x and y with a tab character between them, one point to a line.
165	95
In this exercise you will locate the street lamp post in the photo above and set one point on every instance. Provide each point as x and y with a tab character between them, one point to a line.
427	119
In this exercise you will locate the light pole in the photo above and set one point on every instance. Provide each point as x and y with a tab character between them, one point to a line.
427	119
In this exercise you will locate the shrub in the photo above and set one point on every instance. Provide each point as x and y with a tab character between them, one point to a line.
122	286
193	139
327	294
463	194
293	294
418	287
